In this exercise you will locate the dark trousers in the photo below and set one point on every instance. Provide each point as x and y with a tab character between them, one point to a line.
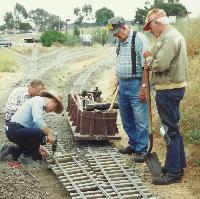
168	102
28	140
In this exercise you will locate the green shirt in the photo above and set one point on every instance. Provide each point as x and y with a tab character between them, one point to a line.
169	60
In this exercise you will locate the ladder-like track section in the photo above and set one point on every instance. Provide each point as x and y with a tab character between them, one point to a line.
101	173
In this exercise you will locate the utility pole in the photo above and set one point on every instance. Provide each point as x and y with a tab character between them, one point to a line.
59	23
66	25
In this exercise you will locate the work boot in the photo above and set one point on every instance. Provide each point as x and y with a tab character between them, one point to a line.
128	150
164	170
26	160
4	151
167	178
139	158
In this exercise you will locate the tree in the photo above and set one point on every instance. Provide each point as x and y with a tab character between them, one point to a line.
19	13
157	2
87	9
40	17
102	15
173	1
77	11
81	14
171	9
54	22
141	15
9	20
3	27
174	9
25	26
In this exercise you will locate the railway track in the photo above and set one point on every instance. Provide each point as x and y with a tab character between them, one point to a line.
82	81
104	174
95	172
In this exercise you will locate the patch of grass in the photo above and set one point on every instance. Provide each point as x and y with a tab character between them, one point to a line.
194	137
197	162
7	62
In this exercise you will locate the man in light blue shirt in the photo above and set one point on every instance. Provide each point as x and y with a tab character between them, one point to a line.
131	46
27	128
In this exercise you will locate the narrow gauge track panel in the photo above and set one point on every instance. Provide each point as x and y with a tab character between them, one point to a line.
104	174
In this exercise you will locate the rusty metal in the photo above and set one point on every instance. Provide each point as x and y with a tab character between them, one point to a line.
96	94
91	125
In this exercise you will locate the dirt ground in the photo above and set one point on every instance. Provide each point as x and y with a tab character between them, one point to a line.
18	183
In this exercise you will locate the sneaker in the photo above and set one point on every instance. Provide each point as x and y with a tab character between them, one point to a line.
128	150
167	178
139	158
26	160
4	151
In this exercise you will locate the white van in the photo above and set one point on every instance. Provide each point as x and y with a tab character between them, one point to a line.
86	40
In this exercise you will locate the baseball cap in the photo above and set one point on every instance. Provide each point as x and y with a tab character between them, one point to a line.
152	15
115	23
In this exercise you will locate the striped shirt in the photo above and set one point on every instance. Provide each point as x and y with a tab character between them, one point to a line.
17	97
124	63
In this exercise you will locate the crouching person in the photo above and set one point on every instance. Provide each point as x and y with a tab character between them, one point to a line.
27	128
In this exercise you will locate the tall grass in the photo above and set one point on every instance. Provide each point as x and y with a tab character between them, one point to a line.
190	107
191	32
7	62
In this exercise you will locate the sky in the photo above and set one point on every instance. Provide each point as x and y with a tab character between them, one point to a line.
64	8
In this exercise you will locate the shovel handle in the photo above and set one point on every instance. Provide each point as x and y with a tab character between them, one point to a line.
114	98
149	115
149	105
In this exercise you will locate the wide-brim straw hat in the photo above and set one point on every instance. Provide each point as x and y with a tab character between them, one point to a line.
51	94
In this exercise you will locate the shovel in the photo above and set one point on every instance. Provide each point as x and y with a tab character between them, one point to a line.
151	159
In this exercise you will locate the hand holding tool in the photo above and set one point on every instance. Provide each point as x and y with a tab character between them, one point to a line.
54	145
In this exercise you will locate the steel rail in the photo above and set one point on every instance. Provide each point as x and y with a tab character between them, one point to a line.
105	174
69	178
128	176
101	189
86	172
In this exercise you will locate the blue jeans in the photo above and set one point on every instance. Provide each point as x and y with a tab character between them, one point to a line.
134	114
28	140
168	102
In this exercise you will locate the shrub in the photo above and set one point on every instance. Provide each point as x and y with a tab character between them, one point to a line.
52	36
76	31
72	40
